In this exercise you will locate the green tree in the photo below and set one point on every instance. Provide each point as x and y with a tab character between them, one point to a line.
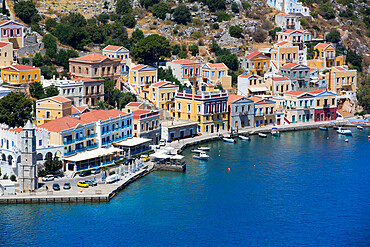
52	165
37	91
363	94
103	18
128	20
230	61
50	25
26	11
151	48
166	74
273	32
333	36
37	60
236	32
176	49
64	33
214	5
51	91
194	49
48	72
182	15
123	7
50	42
137	35
160	10
235	7
327	11
148	3
354	59
15	110
75	19
183	54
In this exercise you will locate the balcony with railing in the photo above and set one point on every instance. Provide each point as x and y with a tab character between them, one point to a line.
67	142
69	153
91	136
81	138
91	146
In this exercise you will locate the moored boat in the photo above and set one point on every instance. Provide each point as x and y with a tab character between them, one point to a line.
202	156
360	127
245	138
196	151
229	140
343	131
323	128
275	132
204	148
262	135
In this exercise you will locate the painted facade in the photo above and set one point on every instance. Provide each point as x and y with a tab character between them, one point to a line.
6	54
12	31
216	73
264	111
278	85
147	125
119	52
52	108
251	85
178	129
93	90
19	74
298	74
325	57
294	37
140	78
255	63
186	71
299	107
288	21
341	81
289	6
162	94
283	53
209	109
241	112
325	105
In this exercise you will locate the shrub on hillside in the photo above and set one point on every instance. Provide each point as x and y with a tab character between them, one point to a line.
236	32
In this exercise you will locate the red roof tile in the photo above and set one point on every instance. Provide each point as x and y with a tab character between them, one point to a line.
216	65
85	79
340	68
252	54
92	57
20	67
256	99
312	69
112	47
140	112
281	78
76	109
17	130
248	75
134	104
102	115
316	91
290	65
137	67
322	45
3	22
282	43
61	124
293	92
160	83
185	61
234	97
2	44
61	99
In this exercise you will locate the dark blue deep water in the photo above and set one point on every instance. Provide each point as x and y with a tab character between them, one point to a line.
307	188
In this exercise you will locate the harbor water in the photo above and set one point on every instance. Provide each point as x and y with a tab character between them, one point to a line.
304	188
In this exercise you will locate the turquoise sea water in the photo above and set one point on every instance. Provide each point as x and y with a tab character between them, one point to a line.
307	188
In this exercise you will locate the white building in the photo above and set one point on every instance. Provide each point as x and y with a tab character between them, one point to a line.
289	6
70	89
288	21
10	148
178	129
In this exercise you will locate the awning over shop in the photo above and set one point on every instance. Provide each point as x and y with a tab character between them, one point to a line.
258	89
92	154
135	141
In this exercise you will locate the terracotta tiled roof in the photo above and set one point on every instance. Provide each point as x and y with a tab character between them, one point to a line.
256	99
17	130
93	57
234	97
20	67
102	115
292	30
216	65
290	65
140	112
134	104
140	66
76	109
112	47
2	44
3	22
322	45
185	61
61	124
252	54
312	69
316	91
340	68
248	75
60	99
281	78
282	43
158	84
293	92
283	14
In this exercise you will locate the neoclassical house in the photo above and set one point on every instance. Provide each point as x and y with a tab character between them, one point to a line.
10	148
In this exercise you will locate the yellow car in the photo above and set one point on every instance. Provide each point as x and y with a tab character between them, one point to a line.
145	157
82	184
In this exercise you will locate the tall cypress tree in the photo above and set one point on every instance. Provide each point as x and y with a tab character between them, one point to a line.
4	8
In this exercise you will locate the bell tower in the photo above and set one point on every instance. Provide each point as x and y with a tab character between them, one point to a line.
28	169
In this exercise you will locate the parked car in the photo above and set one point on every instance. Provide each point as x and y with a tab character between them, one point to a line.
145	157
48	178
95	171
91	182
162	143
66	186
82	184
85	173
56	187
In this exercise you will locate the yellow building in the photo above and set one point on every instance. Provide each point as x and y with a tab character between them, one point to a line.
216	73
325	57
295	37
284	53
255	63
162	94
15	74
52	108
209	109
119	52
6	54
12	31
264	111
141	77
341	80
278	85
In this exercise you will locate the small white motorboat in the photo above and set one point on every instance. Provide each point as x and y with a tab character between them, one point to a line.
196	151
262	135
202	156
360	127
245	138
229	140
344	131
204	148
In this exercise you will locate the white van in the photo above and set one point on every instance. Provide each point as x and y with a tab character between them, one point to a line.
112	178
